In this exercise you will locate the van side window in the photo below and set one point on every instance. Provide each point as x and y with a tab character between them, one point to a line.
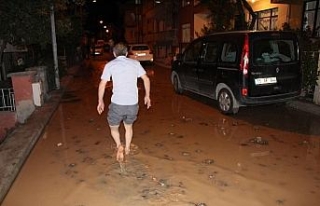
192	52
229	52
211	52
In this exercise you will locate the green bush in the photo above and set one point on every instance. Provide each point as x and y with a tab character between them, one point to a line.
309	64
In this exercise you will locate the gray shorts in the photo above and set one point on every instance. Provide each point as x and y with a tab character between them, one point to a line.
118	113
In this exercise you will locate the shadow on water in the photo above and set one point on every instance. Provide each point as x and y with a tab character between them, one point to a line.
277	116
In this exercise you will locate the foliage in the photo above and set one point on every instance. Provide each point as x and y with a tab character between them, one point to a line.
309	48
309	71
28	22
220	17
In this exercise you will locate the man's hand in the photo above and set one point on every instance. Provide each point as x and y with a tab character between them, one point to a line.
147	101
101	90
100	107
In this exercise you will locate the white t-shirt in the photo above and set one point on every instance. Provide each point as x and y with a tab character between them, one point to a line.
124	73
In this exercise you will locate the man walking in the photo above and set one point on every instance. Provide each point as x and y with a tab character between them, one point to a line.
124	73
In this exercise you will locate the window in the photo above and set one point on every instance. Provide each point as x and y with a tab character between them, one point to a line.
192	52
186	33
266	52
229	52
267	19
210	52
311	17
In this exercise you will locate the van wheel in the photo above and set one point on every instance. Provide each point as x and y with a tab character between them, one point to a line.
176	85
225	102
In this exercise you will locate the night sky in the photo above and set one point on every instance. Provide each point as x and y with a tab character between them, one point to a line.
106	10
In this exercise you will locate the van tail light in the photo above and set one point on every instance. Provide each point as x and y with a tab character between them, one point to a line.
130	53
244	65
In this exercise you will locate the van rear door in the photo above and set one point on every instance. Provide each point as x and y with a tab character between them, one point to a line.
274	65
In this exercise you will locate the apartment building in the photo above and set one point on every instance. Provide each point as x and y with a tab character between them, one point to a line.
155	23
169	25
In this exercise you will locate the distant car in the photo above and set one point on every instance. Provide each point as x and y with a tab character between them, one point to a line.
140	52
97	50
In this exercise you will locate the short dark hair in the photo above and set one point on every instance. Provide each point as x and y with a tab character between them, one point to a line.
120	49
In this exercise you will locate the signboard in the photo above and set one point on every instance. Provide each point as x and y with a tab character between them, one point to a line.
281	1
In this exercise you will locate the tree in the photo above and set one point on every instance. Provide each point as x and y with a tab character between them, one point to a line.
27	22
222	12
220	17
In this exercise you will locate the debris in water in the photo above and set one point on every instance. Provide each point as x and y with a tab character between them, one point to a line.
260	154
204	123
259	140
208	161
199	204
185	153
187	119
59	144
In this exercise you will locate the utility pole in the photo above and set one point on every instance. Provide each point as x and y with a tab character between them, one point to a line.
54	47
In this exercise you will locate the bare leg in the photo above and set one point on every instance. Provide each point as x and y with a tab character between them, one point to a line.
115	133
128	135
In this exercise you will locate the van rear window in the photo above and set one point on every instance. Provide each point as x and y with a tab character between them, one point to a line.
266	51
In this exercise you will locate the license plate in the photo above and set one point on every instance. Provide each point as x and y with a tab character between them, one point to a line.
268	80
141	54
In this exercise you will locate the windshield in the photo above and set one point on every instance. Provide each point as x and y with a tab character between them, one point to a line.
266	51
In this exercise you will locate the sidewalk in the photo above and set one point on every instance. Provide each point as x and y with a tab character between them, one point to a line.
17	146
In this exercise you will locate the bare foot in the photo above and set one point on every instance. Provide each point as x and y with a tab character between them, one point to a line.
120	155
127	151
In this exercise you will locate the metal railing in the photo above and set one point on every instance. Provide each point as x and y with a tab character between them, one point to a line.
7	102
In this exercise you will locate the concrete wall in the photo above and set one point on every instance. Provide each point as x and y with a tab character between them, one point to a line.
24	98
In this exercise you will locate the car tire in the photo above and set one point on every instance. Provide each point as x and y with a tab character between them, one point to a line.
226	102
176	85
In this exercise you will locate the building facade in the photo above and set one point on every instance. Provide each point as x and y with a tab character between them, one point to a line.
169	25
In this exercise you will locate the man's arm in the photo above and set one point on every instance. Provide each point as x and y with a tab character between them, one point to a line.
146	83
101	90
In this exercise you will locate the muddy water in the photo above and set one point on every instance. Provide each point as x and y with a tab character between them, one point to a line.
184	152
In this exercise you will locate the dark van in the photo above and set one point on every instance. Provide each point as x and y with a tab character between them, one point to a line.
240	68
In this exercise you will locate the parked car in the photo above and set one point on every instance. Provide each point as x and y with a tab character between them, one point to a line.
140	52
240	68
98	48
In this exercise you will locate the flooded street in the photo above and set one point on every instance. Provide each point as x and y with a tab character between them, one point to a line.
184	153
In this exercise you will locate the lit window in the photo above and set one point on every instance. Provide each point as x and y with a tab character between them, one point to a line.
186	33
267	19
